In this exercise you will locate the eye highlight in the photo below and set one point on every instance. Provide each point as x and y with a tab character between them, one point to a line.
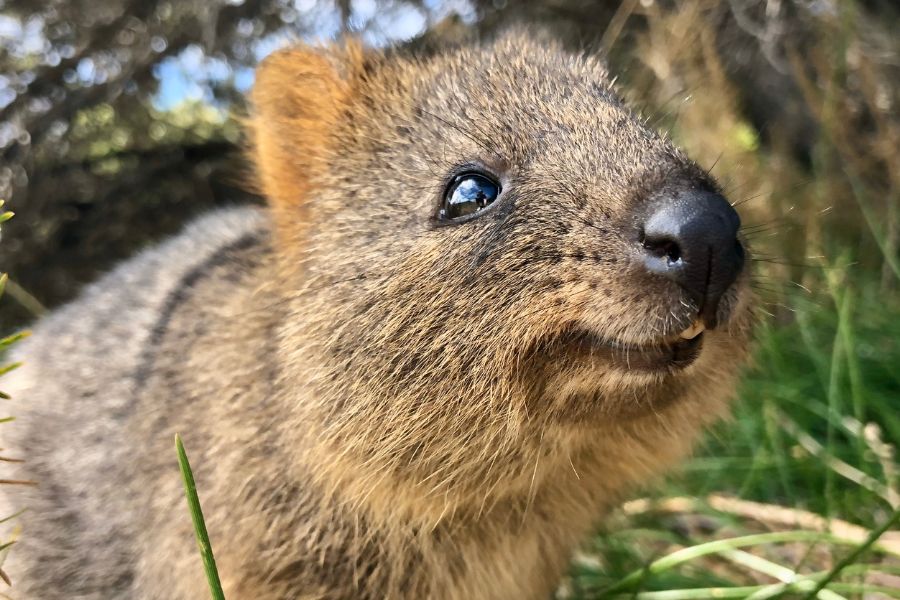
468	194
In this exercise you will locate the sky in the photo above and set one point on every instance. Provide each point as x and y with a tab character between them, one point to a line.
191	74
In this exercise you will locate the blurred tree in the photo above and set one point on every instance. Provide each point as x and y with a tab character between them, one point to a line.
117	117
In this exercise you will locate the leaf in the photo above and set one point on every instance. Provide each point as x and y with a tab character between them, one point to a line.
10	367
12	339
206	552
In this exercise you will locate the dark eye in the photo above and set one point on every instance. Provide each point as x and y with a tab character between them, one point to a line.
468	194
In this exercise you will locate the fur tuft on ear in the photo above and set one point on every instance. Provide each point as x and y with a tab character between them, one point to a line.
299	97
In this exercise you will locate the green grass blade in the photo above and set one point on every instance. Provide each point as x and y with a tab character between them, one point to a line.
12	339
684	555
10	367
744	592
25	299
190	491
851	558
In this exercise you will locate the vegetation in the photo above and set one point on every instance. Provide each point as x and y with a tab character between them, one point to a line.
798	495
791	104
5	344
203	543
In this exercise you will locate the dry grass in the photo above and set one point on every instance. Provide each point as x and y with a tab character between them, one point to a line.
793	495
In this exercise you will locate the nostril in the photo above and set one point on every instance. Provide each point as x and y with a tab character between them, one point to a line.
691	239
662	247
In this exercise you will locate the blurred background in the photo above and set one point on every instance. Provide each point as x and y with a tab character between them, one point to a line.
119	121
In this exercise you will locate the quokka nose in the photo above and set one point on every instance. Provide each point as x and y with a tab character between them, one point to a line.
692	240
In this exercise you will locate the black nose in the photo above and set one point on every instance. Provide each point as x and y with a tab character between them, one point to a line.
692	240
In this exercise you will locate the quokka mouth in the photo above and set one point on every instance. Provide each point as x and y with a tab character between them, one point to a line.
667	354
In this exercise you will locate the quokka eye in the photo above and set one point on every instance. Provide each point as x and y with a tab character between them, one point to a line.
468	194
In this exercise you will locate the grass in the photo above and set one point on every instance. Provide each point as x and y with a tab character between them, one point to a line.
691	542
811	443
203	543
798	496
5	344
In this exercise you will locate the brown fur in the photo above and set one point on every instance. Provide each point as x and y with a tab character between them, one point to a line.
302	92
379	406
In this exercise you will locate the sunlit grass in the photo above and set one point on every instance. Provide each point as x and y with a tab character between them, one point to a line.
789	498
5	367
203	543
806	470
694	539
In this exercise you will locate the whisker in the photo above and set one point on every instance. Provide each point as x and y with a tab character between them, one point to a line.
789	189
776	261
481	143
715	162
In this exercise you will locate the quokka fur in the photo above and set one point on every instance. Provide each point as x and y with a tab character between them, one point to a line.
376	405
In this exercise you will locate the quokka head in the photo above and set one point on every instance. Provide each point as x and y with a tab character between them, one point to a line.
486	243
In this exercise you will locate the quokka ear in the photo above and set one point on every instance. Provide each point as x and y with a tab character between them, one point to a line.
299	98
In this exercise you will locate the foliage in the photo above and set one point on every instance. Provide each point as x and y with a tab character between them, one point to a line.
798	495
5	344
203	543
792	105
